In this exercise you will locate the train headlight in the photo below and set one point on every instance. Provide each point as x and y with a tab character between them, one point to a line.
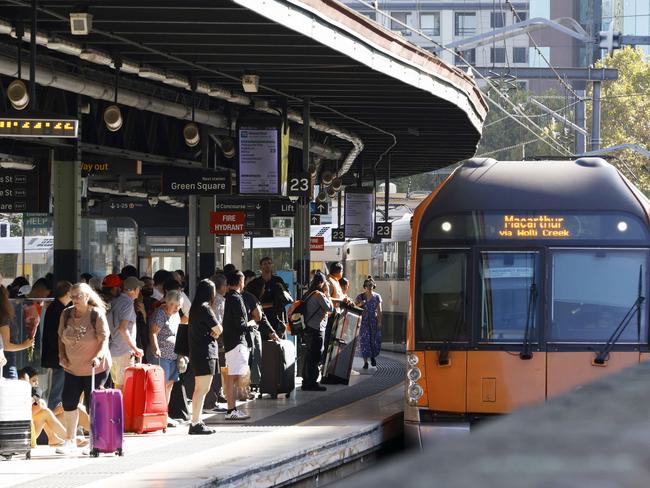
415	392
621	226
412	359
414	374
446	226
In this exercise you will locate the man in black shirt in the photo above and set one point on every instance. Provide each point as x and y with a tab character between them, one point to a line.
235	329
273	299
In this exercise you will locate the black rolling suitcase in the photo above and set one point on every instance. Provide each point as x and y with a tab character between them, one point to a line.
278	368
340	353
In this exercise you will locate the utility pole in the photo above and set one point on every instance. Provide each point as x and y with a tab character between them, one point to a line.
596	22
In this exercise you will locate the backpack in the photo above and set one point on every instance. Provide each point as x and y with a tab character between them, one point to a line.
296	314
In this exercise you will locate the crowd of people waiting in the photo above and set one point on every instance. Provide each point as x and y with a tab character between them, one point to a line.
101	327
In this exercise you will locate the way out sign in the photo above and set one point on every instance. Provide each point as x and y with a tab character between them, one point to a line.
226	223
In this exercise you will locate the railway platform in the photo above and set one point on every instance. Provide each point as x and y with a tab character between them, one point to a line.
309	436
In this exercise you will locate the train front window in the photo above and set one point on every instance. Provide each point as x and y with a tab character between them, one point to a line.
442	290
593	290
509	302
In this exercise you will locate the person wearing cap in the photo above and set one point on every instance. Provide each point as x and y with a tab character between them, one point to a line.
111	288
122	322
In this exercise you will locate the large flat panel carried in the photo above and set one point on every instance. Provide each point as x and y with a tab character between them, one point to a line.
569	370
500	381
446	384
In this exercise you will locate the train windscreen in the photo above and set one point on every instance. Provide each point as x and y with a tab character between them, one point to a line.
593	290
442	289
509	307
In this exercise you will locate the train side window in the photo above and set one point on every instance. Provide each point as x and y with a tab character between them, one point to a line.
509	304
593	290
442	289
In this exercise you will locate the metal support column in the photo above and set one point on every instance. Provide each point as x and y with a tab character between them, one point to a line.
580	139
192	245
595	118
302	221
66	196
207	242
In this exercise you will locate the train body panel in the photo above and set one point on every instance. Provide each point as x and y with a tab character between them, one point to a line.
527	276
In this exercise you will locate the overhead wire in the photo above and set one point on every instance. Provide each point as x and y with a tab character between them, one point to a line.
556	145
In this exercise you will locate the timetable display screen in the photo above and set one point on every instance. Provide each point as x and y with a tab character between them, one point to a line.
27	127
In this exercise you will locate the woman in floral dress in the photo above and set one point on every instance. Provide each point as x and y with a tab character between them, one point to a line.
370	332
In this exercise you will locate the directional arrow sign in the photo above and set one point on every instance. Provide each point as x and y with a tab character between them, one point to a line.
321	208
315	220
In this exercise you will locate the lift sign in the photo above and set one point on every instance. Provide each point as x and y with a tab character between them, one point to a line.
227	223
38	127
533	227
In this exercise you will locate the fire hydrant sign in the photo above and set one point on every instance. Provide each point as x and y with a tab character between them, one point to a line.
226	223
317	243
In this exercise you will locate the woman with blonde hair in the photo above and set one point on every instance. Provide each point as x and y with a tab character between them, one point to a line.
83	345
7	314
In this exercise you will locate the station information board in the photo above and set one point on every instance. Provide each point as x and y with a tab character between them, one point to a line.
256	211
18	191
259	162
359	206
32	127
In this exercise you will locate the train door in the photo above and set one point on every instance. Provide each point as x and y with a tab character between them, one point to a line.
594	294
506	369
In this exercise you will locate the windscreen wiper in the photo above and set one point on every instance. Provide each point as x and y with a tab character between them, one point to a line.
526	350
443	355
602	356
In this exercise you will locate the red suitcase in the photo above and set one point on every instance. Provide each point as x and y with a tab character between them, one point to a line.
145	401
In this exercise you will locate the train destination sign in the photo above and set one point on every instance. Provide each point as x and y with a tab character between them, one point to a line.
359	206
259	162
196	182
30	127
533	227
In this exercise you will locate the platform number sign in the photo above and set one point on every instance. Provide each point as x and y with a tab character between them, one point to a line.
299	184
338	235
383	230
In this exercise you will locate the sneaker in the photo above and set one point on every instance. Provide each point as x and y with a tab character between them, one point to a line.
373	362
200	429
221	398
171	423
237	415
67	449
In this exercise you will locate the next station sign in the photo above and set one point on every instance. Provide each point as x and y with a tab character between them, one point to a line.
196	182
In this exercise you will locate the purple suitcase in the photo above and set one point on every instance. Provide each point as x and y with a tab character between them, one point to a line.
106	421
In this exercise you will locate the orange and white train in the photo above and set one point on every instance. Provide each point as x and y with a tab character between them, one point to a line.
528	279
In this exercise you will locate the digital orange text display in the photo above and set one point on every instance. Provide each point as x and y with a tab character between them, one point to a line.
532	227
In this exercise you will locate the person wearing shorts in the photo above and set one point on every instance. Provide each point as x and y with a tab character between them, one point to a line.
204	329
163	326
235	329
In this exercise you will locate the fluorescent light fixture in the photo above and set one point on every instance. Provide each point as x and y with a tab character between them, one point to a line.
95	56
136	194
203	87
151	73
17	165
130	67
240	99
6	27
179	81
100	189
250	83
41	38
219	92
63	46
164	198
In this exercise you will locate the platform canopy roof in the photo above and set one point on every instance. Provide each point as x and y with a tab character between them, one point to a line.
370	86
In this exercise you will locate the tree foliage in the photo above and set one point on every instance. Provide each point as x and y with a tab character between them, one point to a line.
626	112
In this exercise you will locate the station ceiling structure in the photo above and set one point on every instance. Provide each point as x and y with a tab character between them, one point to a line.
371	91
